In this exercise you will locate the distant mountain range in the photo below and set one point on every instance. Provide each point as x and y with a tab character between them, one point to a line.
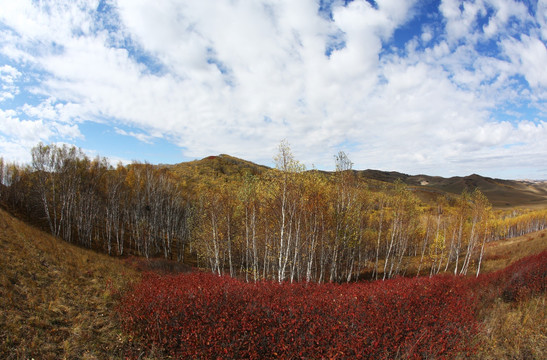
501	193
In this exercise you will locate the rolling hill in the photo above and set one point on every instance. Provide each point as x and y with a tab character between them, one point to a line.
501	193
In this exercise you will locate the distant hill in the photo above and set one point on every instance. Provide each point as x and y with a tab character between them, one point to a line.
219	165
501	193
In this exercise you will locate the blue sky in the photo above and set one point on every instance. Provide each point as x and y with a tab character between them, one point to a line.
440	87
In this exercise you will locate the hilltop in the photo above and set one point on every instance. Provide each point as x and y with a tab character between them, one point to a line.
219	165
501	193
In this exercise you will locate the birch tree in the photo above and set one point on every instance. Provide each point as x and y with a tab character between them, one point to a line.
287	167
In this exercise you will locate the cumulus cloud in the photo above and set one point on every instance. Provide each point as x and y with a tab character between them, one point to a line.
237	77
23	134
530	56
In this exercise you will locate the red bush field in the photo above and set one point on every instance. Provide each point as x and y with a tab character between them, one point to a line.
519	281
200	315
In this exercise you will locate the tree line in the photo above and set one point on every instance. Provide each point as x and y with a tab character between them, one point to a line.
136	209
286	224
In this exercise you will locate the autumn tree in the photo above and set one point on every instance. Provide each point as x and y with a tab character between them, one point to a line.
480	209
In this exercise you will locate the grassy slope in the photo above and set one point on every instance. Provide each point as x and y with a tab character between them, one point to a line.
55	300
514	330
500	254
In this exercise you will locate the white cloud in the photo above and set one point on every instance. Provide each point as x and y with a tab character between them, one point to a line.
8	74
462	18
530	56
237	77
427	34
541	18
139	136
29	132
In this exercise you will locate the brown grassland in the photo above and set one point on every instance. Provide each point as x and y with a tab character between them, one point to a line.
57	300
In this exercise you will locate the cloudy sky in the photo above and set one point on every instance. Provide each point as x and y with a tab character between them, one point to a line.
437	87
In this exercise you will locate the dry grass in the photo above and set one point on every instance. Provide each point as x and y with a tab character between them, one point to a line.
502	253
57	300
514	331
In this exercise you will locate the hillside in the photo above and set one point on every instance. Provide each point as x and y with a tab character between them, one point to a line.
501	193
57	300
500	315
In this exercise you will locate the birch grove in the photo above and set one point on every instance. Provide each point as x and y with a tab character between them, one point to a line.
284	224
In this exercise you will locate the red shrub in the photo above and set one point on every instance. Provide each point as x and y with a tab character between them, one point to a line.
519	281
201	315
205	316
